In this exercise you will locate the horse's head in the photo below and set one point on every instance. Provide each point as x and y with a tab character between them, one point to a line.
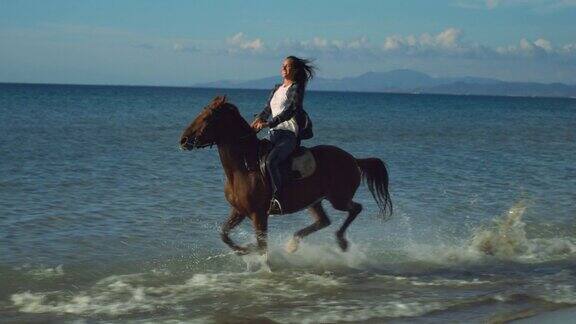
217	122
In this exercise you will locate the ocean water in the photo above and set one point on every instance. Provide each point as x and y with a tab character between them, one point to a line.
104	219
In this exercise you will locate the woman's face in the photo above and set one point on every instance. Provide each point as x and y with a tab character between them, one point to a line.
286	70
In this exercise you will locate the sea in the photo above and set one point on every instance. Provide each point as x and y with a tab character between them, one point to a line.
103	219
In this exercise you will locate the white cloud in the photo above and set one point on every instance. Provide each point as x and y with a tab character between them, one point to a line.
448	43
568	49
334	48
239	42
544	44
540	48
449	37
325	45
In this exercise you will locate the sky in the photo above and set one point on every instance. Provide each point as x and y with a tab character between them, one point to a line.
181	43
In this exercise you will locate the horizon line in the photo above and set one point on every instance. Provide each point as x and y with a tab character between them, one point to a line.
256	89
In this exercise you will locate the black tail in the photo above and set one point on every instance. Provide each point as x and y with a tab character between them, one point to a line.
376	176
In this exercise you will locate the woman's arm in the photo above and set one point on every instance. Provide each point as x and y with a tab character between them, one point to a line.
294	98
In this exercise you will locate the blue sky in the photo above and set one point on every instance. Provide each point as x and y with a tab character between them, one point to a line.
185	42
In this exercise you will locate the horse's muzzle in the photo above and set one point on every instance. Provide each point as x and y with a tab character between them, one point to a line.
185	143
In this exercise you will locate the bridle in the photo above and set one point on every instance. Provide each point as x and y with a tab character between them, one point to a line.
195	142
240	140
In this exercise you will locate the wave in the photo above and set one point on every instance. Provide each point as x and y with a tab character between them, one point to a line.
290	297
41	272
150	292
319	283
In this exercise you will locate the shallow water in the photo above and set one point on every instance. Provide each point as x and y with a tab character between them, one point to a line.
103	218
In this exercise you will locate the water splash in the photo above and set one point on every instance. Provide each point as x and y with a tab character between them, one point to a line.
507	239
257	262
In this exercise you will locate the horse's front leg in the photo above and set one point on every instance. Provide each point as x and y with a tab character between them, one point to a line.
233	220
260	223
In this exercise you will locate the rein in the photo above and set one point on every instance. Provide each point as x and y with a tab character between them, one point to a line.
246	151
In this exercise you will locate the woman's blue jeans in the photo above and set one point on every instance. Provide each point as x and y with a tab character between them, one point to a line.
284	143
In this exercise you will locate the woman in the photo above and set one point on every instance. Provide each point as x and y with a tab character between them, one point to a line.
288	121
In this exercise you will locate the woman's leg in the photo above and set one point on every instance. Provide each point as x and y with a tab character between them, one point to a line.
284	142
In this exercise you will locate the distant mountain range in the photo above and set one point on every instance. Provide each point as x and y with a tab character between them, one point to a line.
408	81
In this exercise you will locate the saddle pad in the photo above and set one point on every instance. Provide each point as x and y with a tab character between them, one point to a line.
304	164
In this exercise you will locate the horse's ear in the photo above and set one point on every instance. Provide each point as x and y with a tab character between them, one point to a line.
219	100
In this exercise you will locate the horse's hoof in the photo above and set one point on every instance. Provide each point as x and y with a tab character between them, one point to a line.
343	243
249	249
252	248
242	251
292	245
245	250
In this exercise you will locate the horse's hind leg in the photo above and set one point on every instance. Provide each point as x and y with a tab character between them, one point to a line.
353	209
321	221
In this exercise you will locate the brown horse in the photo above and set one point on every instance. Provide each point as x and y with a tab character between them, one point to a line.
336	178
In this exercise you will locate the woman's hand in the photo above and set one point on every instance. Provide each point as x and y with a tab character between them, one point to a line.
258	124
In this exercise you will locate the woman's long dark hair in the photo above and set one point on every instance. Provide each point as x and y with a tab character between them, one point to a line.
304	71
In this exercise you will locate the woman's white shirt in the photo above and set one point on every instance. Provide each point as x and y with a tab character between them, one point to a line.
278	104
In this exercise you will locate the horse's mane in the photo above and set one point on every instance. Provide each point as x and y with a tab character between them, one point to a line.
220	105
217	102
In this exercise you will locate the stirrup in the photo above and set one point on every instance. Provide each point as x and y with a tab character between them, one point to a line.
275	206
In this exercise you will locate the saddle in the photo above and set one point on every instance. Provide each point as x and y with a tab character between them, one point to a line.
301	163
